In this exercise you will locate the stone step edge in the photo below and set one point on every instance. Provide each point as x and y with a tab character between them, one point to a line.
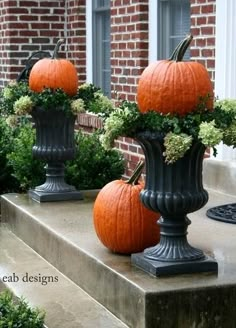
61	290
93	276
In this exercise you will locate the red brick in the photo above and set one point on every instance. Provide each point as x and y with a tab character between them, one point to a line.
207	30
195	52
208	52
211	20
24	18
40	25
40	11
16	11
207	9
196	10
210	63
201	20
195	31
210	41
27	4
200	42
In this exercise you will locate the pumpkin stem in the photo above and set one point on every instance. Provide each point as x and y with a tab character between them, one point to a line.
136	174
55	52
181	48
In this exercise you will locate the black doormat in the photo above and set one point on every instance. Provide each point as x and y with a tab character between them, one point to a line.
225	213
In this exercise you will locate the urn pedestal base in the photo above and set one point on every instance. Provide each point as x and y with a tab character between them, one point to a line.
158	268
54	188
41	196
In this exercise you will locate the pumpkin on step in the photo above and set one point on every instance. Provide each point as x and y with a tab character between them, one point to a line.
174	86
121	221
54	73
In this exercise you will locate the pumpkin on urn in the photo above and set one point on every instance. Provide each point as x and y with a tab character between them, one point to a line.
54	73
174	86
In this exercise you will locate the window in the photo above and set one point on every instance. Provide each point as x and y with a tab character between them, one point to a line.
101	45
173	25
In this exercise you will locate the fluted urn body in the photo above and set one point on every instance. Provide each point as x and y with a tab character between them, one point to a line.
54	145
173	190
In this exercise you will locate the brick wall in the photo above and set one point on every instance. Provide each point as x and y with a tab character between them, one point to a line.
129	57
28	26
203	30
129	45
76	35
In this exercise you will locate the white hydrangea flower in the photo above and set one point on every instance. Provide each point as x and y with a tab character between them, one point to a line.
77	106
12	120
209	135
176	146
23	105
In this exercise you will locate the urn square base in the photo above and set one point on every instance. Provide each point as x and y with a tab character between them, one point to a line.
159	268
41	196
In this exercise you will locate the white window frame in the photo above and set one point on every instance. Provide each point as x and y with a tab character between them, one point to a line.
225	62
152	29
89	41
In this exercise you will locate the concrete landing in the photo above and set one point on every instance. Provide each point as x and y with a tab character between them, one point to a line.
63	234
28	274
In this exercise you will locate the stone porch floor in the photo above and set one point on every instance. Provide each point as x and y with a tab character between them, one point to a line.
99	289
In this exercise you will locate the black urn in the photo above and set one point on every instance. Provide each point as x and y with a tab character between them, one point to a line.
54	145
173	190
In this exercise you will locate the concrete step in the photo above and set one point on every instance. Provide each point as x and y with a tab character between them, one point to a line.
63	234
67	306
220	175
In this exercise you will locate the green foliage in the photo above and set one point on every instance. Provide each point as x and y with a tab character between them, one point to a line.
7	182
95	101
229	137
17	99
122	121
28	171
210	127
52	99
19	170
18	314
11	93
87	92
93	166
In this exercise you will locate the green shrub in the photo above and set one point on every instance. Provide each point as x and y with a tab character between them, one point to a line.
28	171
18	314
93	166
8	183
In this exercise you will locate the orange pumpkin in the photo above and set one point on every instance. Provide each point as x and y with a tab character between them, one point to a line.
121	221
173	86
54	73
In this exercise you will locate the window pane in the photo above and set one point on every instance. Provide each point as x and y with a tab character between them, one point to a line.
174	19
102	3
180	22
101	46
